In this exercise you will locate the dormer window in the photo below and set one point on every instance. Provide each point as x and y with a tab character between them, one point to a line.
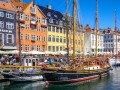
60	22
33	10
108	31
19	7
55	16
51	20
103	32
48	14
63	18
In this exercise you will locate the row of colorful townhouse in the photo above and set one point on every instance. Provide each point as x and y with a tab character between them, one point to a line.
41	28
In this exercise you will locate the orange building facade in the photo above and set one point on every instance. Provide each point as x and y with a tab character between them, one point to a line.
33	27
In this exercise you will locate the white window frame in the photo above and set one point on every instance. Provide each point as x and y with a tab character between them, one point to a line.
33	37
2	24
27	27
9	15
33	10
43	38
21	16
21	36
2	38
26	17
49	38
32	47
43	29
57	38
26	36
1	14
38	20
43	21
32	27
27	48
38	29
9	25
11	39
38	38
49	48
38	47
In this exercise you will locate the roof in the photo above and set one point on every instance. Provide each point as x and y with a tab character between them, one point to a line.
18	3
88	29
52	14
108	31
6	6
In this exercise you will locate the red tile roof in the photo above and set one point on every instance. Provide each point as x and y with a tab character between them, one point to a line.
6	6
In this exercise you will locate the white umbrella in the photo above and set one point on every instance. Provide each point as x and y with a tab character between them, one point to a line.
36	52
2	52
62	52
48	52
12	52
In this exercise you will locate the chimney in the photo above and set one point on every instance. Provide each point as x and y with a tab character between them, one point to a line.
49	6
87	25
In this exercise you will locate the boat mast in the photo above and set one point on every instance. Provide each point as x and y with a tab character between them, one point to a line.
116	33
96	24
74	18
67	32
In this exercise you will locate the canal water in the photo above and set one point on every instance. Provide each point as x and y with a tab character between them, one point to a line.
110	82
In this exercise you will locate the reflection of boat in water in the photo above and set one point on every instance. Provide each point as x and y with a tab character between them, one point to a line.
115	62
22	77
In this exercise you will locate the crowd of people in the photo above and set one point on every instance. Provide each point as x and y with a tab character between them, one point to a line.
7	60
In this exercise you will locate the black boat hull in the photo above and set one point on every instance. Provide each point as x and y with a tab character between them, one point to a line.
62	77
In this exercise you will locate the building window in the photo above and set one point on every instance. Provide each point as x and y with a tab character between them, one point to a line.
21	16
26	17
10	38
27	27
75	33
38	47
60	48
38	38
53	38
75	41
53	29
32	47
57	48
33	37
49	38
60	23
1	24
1	14
61	39
21	47
43	21
21	36
49	48
43	38
57	29
49	28
64	31
79	42
32	18
38	29
9	25
51	20
78	33
26	47
33	28
53	49
71	32
81	34
57	38
38	20
9	15
33	10
60	30
19	7
43	49
43	29
21	26
64	40
27	36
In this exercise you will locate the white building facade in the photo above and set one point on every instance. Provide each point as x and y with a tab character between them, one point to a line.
90	43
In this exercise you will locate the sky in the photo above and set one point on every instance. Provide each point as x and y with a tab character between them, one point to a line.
106	11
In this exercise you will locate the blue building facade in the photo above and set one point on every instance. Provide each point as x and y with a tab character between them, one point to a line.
7	29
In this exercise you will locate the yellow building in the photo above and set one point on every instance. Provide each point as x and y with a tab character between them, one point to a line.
56	32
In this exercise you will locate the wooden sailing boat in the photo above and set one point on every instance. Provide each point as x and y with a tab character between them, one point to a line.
74	74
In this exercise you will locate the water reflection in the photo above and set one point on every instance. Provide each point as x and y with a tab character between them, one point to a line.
110	82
